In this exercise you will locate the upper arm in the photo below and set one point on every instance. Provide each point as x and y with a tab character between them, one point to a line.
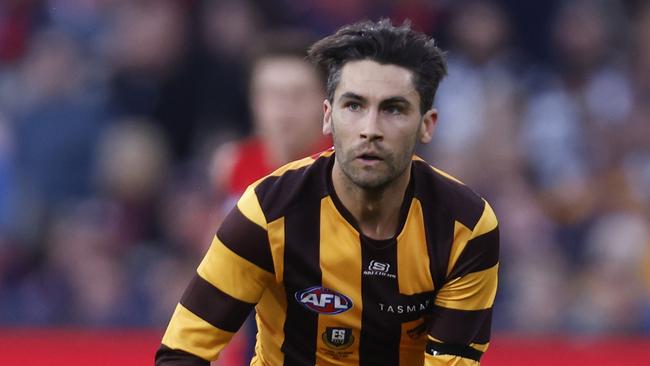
227	284
459	330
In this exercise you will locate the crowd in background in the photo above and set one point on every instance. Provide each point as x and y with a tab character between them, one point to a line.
112	113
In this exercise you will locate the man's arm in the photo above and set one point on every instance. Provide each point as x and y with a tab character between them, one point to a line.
459	331
228	283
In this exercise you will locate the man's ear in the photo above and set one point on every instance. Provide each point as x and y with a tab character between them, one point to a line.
428	125
327	117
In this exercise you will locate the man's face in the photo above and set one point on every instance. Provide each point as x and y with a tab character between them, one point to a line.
375	121
286	95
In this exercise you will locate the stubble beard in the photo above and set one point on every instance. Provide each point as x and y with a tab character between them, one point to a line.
389	170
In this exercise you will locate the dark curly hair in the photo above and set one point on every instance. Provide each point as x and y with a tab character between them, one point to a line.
386	44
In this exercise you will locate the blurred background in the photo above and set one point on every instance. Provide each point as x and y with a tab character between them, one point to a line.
129	127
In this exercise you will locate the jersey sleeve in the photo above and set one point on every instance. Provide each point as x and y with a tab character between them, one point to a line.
459	328
228	283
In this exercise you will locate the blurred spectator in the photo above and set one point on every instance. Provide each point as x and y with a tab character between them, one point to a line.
286	96
532	22
226	27
571	119
83	252
477	102
132	167
532	296
57	118
633	142
617	249
146	45
188	215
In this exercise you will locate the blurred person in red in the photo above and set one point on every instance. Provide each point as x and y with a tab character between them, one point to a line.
285	96
285	93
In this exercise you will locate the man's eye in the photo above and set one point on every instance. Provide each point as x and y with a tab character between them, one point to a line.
353	106
393	109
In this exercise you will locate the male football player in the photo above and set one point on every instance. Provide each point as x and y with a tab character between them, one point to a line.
363	254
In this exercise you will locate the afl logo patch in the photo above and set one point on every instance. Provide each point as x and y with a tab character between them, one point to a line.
322	300
338	338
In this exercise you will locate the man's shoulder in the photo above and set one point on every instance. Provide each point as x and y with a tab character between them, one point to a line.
295	182
446	194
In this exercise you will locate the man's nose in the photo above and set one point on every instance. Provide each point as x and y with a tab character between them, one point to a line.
370	129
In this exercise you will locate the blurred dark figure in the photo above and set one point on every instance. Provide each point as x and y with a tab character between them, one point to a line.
188	211
58	118
131	171
146	45
574	114
478	101
633	142
84	278
226	29
610	293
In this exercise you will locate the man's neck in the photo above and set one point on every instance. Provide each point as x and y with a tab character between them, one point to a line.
377	211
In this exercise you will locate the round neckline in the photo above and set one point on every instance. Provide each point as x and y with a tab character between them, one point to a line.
347	215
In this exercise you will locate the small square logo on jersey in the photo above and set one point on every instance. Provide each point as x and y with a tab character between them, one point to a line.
381	269
338	338
378	266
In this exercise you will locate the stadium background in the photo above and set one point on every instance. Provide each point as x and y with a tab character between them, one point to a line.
111	111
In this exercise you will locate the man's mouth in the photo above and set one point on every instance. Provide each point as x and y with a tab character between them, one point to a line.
370	157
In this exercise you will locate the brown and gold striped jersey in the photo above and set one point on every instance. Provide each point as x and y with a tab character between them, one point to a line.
325	294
